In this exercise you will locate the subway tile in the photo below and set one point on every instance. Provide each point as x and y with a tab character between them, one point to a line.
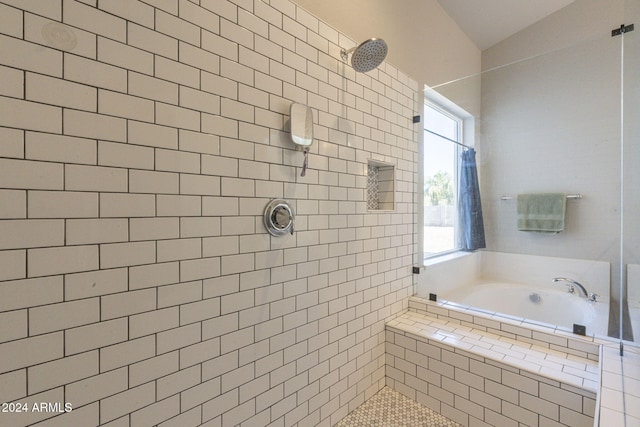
127	205
203	392
199	100
169	205
178	249
61	260
95	283
18	234
135	11
11	20
219	45
130	107
176	72
224	8
152	88
204	268
199	227
97	335
127	254
13	143
198	142
91	125
177	338
44	31
180	293
91	19
177	28
95	178
168	210
153	322
97	387
50	9
219	166
13	325
13	265
218	85
60	148
141	181
94	73
152	135
30	115
153	368
125	155
200	352
219	125
236	33
237	187
14	385
177	161
199	185
160	411
62	204
199	59
57	317
126	402
199	311
30	351
28	56
127	353
237	110
146	276
49	90
178	117
220	286
62	371
154	228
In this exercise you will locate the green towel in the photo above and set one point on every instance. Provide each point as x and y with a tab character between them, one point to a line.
542	212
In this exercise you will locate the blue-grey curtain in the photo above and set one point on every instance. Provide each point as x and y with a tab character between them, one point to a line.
469	206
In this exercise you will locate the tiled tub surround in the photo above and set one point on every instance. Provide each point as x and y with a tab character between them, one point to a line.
138	151
480	371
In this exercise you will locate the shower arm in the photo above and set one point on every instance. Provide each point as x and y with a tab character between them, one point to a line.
345	53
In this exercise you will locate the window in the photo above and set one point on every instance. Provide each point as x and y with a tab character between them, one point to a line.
443	134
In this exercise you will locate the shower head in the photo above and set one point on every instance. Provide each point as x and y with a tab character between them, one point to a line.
366	56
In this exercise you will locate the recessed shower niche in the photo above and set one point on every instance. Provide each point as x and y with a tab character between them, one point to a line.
380	186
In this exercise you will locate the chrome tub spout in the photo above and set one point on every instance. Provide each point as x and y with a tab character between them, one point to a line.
572	285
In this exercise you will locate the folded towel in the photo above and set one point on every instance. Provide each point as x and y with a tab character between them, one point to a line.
543	212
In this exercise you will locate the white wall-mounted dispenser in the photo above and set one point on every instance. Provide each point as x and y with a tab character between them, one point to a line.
302	129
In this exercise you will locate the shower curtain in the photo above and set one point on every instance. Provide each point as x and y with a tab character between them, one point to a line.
469	206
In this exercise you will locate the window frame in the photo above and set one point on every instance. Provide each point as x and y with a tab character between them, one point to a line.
465	138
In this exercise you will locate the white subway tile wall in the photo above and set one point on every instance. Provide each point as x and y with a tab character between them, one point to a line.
140	142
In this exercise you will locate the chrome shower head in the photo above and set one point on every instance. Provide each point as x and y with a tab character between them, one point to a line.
366	56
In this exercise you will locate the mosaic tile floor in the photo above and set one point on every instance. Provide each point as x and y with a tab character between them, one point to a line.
388	408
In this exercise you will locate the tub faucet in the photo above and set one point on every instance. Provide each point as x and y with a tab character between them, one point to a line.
572	284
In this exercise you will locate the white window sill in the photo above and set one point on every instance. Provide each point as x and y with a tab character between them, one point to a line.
427	262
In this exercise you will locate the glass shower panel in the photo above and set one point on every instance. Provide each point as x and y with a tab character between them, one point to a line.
550	124
630	327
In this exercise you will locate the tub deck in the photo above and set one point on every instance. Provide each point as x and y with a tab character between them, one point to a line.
478	370
553	364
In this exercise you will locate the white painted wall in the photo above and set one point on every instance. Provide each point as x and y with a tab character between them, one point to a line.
551	123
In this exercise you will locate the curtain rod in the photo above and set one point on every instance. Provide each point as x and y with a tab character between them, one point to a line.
448	139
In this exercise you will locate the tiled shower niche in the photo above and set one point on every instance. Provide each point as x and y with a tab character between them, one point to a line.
380	186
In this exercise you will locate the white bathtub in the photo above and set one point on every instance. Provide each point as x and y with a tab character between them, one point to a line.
538	305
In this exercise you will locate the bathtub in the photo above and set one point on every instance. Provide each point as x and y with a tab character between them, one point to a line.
545	305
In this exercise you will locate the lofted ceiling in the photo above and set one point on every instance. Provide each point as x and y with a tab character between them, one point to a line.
487	22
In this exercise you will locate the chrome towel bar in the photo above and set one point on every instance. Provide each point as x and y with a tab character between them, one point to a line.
569	196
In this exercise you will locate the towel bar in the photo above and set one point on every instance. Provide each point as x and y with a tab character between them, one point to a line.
569	196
